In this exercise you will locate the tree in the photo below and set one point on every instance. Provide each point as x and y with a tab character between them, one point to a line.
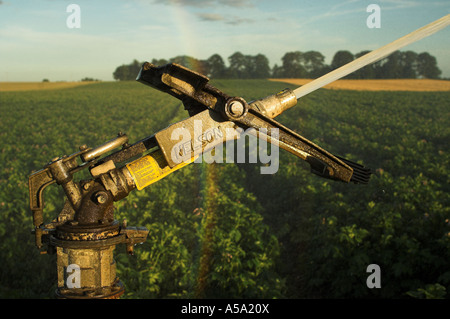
314	63
409	64
277	71
159	62
216	66
427	66
238	66
341	58
297	64
191	63
259	65
89	79
367	72
121	73
399	65
391	68
292	65
127	72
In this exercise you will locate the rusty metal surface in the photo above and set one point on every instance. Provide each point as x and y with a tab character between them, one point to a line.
326	165
197	135
97	273
86	233
120	140
191	87
273	105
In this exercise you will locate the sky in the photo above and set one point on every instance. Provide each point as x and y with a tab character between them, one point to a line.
37	39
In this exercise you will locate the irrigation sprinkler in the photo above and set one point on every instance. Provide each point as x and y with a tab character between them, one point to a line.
85	233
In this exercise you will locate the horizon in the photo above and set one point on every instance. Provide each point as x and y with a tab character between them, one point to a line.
37	41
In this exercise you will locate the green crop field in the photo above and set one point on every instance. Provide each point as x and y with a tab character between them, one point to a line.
225	230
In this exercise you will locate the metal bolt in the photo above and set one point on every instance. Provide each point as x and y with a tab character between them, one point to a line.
101	197
236	108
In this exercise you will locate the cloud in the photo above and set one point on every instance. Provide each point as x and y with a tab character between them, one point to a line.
236	3
210	17
231	20
214	5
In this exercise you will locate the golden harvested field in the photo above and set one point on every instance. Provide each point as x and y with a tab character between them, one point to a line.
359	85
380	85
31	86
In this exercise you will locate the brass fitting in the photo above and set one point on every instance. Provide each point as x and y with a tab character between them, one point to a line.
273	105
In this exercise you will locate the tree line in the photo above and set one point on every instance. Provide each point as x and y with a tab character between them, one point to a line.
297	64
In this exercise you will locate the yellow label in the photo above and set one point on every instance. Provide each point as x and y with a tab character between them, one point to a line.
151	168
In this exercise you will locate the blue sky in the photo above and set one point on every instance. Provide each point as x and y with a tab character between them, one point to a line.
36	43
